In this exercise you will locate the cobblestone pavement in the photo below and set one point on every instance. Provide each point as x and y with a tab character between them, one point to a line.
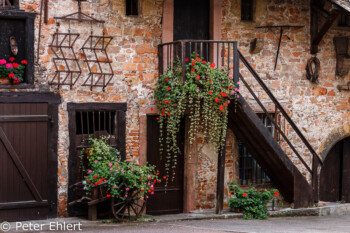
311	224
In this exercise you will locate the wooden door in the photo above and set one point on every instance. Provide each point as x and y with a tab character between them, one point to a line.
169	200
335	173
191	20
345	194
24	161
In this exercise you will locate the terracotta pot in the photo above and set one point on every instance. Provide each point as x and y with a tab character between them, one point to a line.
4	80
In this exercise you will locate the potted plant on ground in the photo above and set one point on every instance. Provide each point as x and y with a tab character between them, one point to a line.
251	202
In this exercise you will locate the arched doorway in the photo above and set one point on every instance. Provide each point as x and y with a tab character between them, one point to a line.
335	174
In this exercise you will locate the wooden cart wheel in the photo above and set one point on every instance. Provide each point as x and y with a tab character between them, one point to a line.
131	207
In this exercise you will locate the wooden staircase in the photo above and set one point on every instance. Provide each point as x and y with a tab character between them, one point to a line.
270	153
264	147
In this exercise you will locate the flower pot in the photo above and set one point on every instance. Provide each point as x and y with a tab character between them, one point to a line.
4	80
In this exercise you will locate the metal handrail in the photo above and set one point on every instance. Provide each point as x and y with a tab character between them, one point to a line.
281	109
237	56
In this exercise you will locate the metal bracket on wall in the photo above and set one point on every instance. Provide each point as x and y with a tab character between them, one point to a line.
100	68
99	65
67	66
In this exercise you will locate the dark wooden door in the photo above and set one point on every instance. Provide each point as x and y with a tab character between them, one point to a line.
24	160
191	20
169	200
335	174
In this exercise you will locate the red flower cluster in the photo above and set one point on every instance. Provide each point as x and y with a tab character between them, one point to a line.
244	194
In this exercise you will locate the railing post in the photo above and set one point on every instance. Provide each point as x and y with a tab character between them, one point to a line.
183	62
235	64
160	59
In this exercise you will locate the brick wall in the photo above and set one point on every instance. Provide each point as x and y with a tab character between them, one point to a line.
316	108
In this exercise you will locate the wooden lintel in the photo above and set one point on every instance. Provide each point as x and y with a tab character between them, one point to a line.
317	38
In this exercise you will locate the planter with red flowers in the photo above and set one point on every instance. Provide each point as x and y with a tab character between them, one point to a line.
252	202
12	72
204	97
126	185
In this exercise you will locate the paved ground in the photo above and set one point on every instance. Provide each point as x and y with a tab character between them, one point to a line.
331	224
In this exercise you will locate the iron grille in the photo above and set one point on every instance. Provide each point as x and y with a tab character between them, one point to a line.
250	171
96	124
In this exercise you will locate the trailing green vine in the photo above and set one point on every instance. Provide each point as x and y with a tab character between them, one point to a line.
204	96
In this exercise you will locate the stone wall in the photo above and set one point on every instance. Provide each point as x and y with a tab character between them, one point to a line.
316	108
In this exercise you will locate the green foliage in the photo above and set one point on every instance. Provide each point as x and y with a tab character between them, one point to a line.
251	201
120	178
14	71
204	96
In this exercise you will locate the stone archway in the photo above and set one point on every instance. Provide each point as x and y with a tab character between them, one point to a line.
333	138
335	174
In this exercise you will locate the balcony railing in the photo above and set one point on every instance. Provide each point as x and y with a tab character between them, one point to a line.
226	54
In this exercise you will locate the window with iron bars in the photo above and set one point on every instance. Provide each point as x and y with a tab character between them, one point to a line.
250	171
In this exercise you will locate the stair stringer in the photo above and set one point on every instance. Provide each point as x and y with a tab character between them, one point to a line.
247	126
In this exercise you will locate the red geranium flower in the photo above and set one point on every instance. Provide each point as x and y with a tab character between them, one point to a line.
11	75
168	113
244	194
193	70
221	107
212	65
157	118
198	77
168	88
204	62
210	92
186	60
217	99
210	81
164	177
198	59
276	193
16	81
166	80
11	59
24	62
15	65
151	109
225	104
108	195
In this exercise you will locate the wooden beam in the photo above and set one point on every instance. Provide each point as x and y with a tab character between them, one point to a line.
220	180
316	36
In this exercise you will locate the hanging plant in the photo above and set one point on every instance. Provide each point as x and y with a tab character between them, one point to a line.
204	97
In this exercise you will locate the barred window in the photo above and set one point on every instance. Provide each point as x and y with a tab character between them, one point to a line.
250	171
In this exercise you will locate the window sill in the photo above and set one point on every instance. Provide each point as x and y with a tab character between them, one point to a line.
19	86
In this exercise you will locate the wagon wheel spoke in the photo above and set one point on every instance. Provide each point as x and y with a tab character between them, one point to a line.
132	207
119	203
135	194
116	213
135	203
129	211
